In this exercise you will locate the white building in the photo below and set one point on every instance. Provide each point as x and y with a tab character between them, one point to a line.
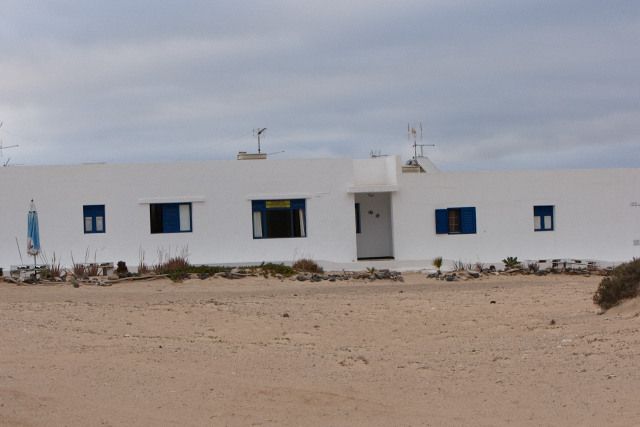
334	211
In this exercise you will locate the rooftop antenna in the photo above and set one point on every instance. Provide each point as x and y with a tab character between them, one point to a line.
258	132
412	130
376	153
12	164
1	147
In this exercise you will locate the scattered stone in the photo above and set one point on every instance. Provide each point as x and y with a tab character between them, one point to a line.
76	284
285	314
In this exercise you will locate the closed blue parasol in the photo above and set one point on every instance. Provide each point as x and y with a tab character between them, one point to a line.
33	234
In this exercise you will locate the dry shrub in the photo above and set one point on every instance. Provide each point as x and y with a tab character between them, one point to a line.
307	265
166	262
53	268
622	283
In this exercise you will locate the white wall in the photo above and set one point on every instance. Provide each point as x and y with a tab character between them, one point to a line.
594	216
222	219
597	212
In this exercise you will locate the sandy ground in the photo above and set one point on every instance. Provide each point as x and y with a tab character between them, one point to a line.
269	352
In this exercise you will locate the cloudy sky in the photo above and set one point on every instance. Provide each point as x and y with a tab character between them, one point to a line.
496	84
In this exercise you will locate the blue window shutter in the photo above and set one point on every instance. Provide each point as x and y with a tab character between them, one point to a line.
170	218
468	220
442	221
94	211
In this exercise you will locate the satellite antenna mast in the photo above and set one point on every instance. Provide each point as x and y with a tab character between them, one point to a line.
1	147
258	132
413	131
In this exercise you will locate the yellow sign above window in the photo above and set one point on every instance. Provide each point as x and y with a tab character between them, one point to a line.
272	204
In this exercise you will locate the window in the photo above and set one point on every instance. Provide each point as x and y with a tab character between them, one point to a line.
543	218
278	218
93	218
456	221
357	217
170	217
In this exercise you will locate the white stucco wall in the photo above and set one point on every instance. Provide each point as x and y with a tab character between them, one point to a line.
594	215
221	212
597	212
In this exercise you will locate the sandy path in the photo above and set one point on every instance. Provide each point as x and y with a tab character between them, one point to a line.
223	352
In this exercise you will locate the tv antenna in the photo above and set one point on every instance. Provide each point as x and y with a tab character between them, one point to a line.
258	132
12	164
3	148
412	131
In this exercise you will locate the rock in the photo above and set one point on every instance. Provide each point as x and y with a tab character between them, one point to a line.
204	276
541	273
76	284
301	277
474	274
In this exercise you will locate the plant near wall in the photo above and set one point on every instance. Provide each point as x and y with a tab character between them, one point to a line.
511	262
143	269
122	268
307	265
437	263
166	261
53	268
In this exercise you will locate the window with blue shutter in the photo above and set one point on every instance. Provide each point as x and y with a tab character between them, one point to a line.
170	217
456	221
278	218
442	221
468	220
93	219
543	218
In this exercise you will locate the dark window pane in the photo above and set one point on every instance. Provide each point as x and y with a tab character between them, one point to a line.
278	223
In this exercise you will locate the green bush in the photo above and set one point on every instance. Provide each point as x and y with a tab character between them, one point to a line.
437	262
177	271
274	269
511	262
622	283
